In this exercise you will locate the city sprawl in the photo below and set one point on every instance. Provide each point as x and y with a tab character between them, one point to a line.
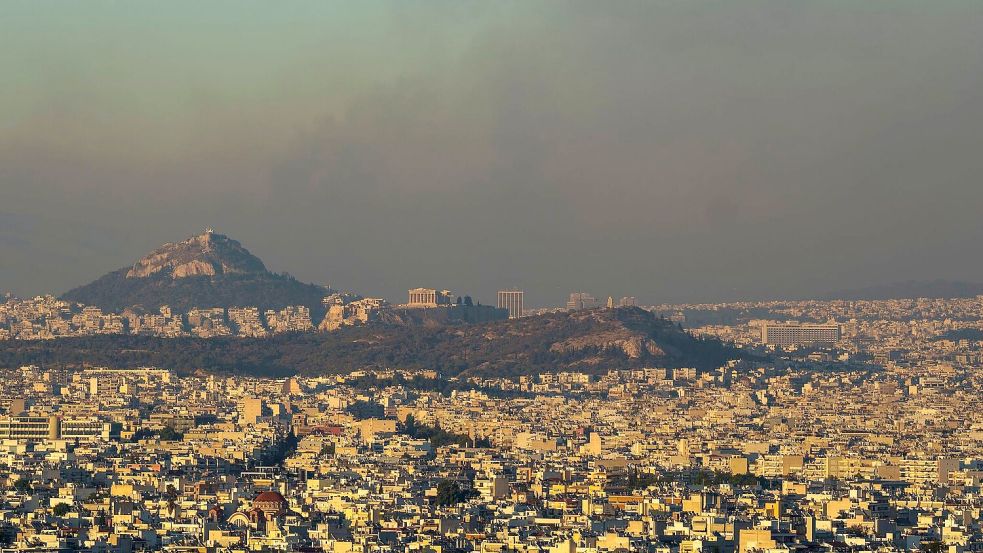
849	426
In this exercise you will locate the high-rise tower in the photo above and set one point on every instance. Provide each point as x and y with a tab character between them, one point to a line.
511	300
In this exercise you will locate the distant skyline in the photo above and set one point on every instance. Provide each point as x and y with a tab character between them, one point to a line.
672	151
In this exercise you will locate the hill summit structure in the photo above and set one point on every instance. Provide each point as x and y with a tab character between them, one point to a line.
207	254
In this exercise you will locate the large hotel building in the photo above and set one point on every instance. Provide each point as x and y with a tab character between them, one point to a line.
795	334
31	428
511	300
581	300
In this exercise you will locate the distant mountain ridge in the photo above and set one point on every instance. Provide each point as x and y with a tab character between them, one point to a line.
206	270
910	289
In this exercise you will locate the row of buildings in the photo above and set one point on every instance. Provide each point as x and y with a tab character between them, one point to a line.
46	317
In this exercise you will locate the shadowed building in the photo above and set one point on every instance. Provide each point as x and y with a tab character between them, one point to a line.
794	334
581	300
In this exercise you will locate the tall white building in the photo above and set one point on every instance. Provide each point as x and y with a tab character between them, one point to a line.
511	300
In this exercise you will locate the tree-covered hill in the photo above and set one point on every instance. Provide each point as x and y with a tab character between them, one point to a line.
114	292
588	341
207	270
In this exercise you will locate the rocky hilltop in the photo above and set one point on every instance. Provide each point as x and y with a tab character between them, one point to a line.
207	254
206	270
592	341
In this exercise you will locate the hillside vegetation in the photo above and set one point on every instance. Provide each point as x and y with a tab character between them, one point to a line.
588	341
207	270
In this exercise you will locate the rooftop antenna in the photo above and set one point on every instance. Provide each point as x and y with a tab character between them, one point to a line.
209	230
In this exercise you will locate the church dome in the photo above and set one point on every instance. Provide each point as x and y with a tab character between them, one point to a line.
271	503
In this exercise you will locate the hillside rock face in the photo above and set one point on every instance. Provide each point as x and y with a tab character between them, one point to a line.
206	270
207	254
634	347
609	333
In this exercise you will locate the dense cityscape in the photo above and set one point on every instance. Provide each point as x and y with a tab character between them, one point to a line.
451	276
867	436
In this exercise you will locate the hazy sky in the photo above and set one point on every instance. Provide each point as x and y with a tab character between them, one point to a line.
670	150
